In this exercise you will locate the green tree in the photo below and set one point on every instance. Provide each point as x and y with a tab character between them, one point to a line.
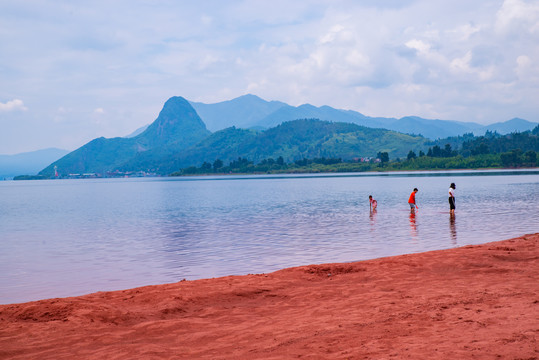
383	156
481	149
411	155
448	152
511	158
206	166
530	156
217	164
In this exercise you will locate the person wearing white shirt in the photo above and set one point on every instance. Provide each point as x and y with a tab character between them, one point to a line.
452	188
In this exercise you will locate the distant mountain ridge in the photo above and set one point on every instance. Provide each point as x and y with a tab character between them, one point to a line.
294	140
258	113
244	112
28	162
179	138
509	126
250	111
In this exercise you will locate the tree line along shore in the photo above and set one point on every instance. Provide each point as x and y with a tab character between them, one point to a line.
491	151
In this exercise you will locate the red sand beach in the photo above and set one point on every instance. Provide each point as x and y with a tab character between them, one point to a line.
473	302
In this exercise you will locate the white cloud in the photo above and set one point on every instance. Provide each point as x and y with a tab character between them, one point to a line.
12	105
527	70
332	34
464	32
518	15
462	64
420	46
457	60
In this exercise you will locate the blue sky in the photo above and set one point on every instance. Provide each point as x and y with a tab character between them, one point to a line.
73	71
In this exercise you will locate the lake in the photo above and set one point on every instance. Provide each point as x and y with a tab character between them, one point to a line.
71	237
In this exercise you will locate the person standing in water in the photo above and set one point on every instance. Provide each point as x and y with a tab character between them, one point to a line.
372	203
411	200
452	188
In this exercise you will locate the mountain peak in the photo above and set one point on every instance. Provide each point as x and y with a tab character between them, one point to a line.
176	119
243	111
177	127
174	103
250	97
517	120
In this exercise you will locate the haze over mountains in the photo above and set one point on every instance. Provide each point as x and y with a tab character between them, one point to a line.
29	162
178	138
249	126
250	111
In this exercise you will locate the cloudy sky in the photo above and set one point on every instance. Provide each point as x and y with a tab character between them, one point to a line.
71	71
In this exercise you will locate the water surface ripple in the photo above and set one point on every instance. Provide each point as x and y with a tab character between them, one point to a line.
70	237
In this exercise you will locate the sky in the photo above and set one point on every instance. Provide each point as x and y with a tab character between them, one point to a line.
71	71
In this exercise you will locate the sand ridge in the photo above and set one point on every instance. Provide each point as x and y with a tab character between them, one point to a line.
472	302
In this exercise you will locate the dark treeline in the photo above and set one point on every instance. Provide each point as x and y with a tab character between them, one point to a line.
490	143
243	165
489	151
512	150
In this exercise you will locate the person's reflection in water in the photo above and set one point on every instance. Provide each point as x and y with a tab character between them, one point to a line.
453	229
413	225
372	217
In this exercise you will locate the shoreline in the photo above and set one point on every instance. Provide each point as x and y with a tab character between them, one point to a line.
475	301
284	173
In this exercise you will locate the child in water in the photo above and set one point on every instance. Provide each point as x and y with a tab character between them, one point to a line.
372	203
411	200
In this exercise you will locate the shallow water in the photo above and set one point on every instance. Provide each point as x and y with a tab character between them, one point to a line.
70	237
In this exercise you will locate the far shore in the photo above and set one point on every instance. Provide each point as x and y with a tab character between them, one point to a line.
487	170
472	302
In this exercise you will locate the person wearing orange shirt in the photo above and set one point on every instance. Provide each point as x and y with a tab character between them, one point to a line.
411	200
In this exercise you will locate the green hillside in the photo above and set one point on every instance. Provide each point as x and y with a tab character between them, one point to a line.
295	140
177	127
178	139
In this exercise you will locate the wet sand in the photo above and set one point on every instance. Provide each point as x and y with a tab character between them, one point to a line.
473	302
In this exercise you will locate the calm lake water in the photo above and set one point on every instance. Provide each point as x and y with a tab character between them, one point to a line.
70	237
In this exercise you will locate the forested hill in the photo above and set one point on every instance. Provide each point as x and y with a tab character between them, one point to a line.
491	142
516	150
292	140
178	139
177	127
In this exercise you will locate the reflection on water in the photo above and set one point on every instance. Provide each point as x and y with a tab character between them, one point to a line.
372	217
70	237
413	225
453	228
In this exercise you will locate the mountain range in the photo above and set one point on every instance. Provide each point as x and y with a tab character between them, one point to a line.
250	111
291	140
179	138
28	162
251	127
